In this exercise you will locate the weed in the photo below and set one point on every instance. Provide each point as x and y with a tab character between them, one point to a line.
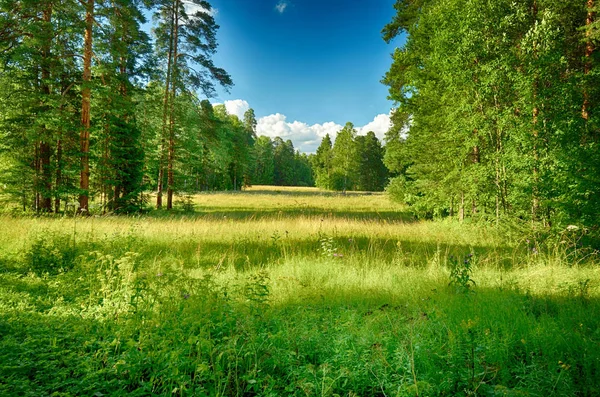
256	290
461	272
328	246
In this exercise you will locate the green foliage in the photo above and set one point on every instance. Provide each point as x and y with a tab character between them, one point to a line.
461	271
344	159
352	163
328	247
51	253
203	305
264	168
322	164
372	172
496	109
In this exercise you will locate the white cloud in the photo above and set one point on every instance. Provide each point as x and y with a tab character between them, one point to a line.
380	125
192	8
281	6
305	137
237	107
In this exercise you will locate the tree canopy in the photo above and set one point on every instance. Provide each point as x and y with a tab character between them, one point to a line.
497	109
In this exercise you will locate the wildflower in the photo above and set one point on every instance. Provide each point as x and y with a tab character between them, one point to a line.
159	274
534	250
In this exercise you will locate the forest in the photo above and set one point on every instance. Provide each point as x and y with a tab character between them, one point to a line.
154	244
498	109
122	116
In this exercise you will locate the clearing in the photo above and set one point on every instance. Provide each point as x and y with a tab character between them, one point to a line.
293	291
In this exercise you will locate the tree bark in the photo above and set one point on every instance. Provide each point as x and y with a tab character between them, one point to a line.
45	151
86	94
171	158
58	174
589	51
161	167
535	201
476	160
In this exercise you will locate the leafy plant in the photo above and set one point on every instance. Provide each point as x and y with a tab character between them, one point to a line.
328	246
461	272
256	290
51	253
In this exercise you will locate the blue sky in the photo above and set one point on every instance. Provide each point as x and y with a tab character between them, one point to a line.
306	66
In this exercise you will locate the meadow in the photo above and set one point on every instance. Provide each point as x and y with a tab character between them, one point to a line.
294	292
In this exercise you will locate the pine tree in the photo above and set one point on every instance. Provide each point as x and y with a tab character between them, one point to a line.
264	168
322	164
372	174
344	159
188	42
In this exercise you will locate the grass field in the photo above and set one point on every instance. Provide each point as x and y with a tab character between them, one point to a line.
281	291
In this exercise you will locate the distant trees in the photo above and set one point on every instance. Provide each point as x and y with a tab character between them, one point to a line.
344	159
278	163
264	166
372	172
322	164
353	162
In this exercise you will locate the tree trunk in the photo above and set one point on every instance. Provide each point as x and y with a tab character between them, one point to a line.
86	94
36	181
45	151
589	51
535	201
476	160
161	169
58	175
171	158
46	172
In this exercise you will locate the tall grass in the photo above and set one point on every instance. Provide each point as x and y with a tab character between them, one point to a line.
292	292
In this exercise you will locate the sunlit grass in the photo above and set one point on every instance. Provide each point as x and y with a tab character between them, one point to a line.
285	291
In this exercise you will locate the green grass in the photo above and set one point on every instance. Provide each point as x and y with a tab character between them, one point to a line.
278	292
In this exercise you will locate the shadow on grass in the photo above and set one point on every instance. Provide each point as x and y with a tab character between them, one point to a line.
297	193
219	213
247	253
506	338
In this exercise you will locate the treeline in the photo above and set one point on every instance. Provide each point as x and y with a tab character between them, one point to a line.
497	109
353	162
277	163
